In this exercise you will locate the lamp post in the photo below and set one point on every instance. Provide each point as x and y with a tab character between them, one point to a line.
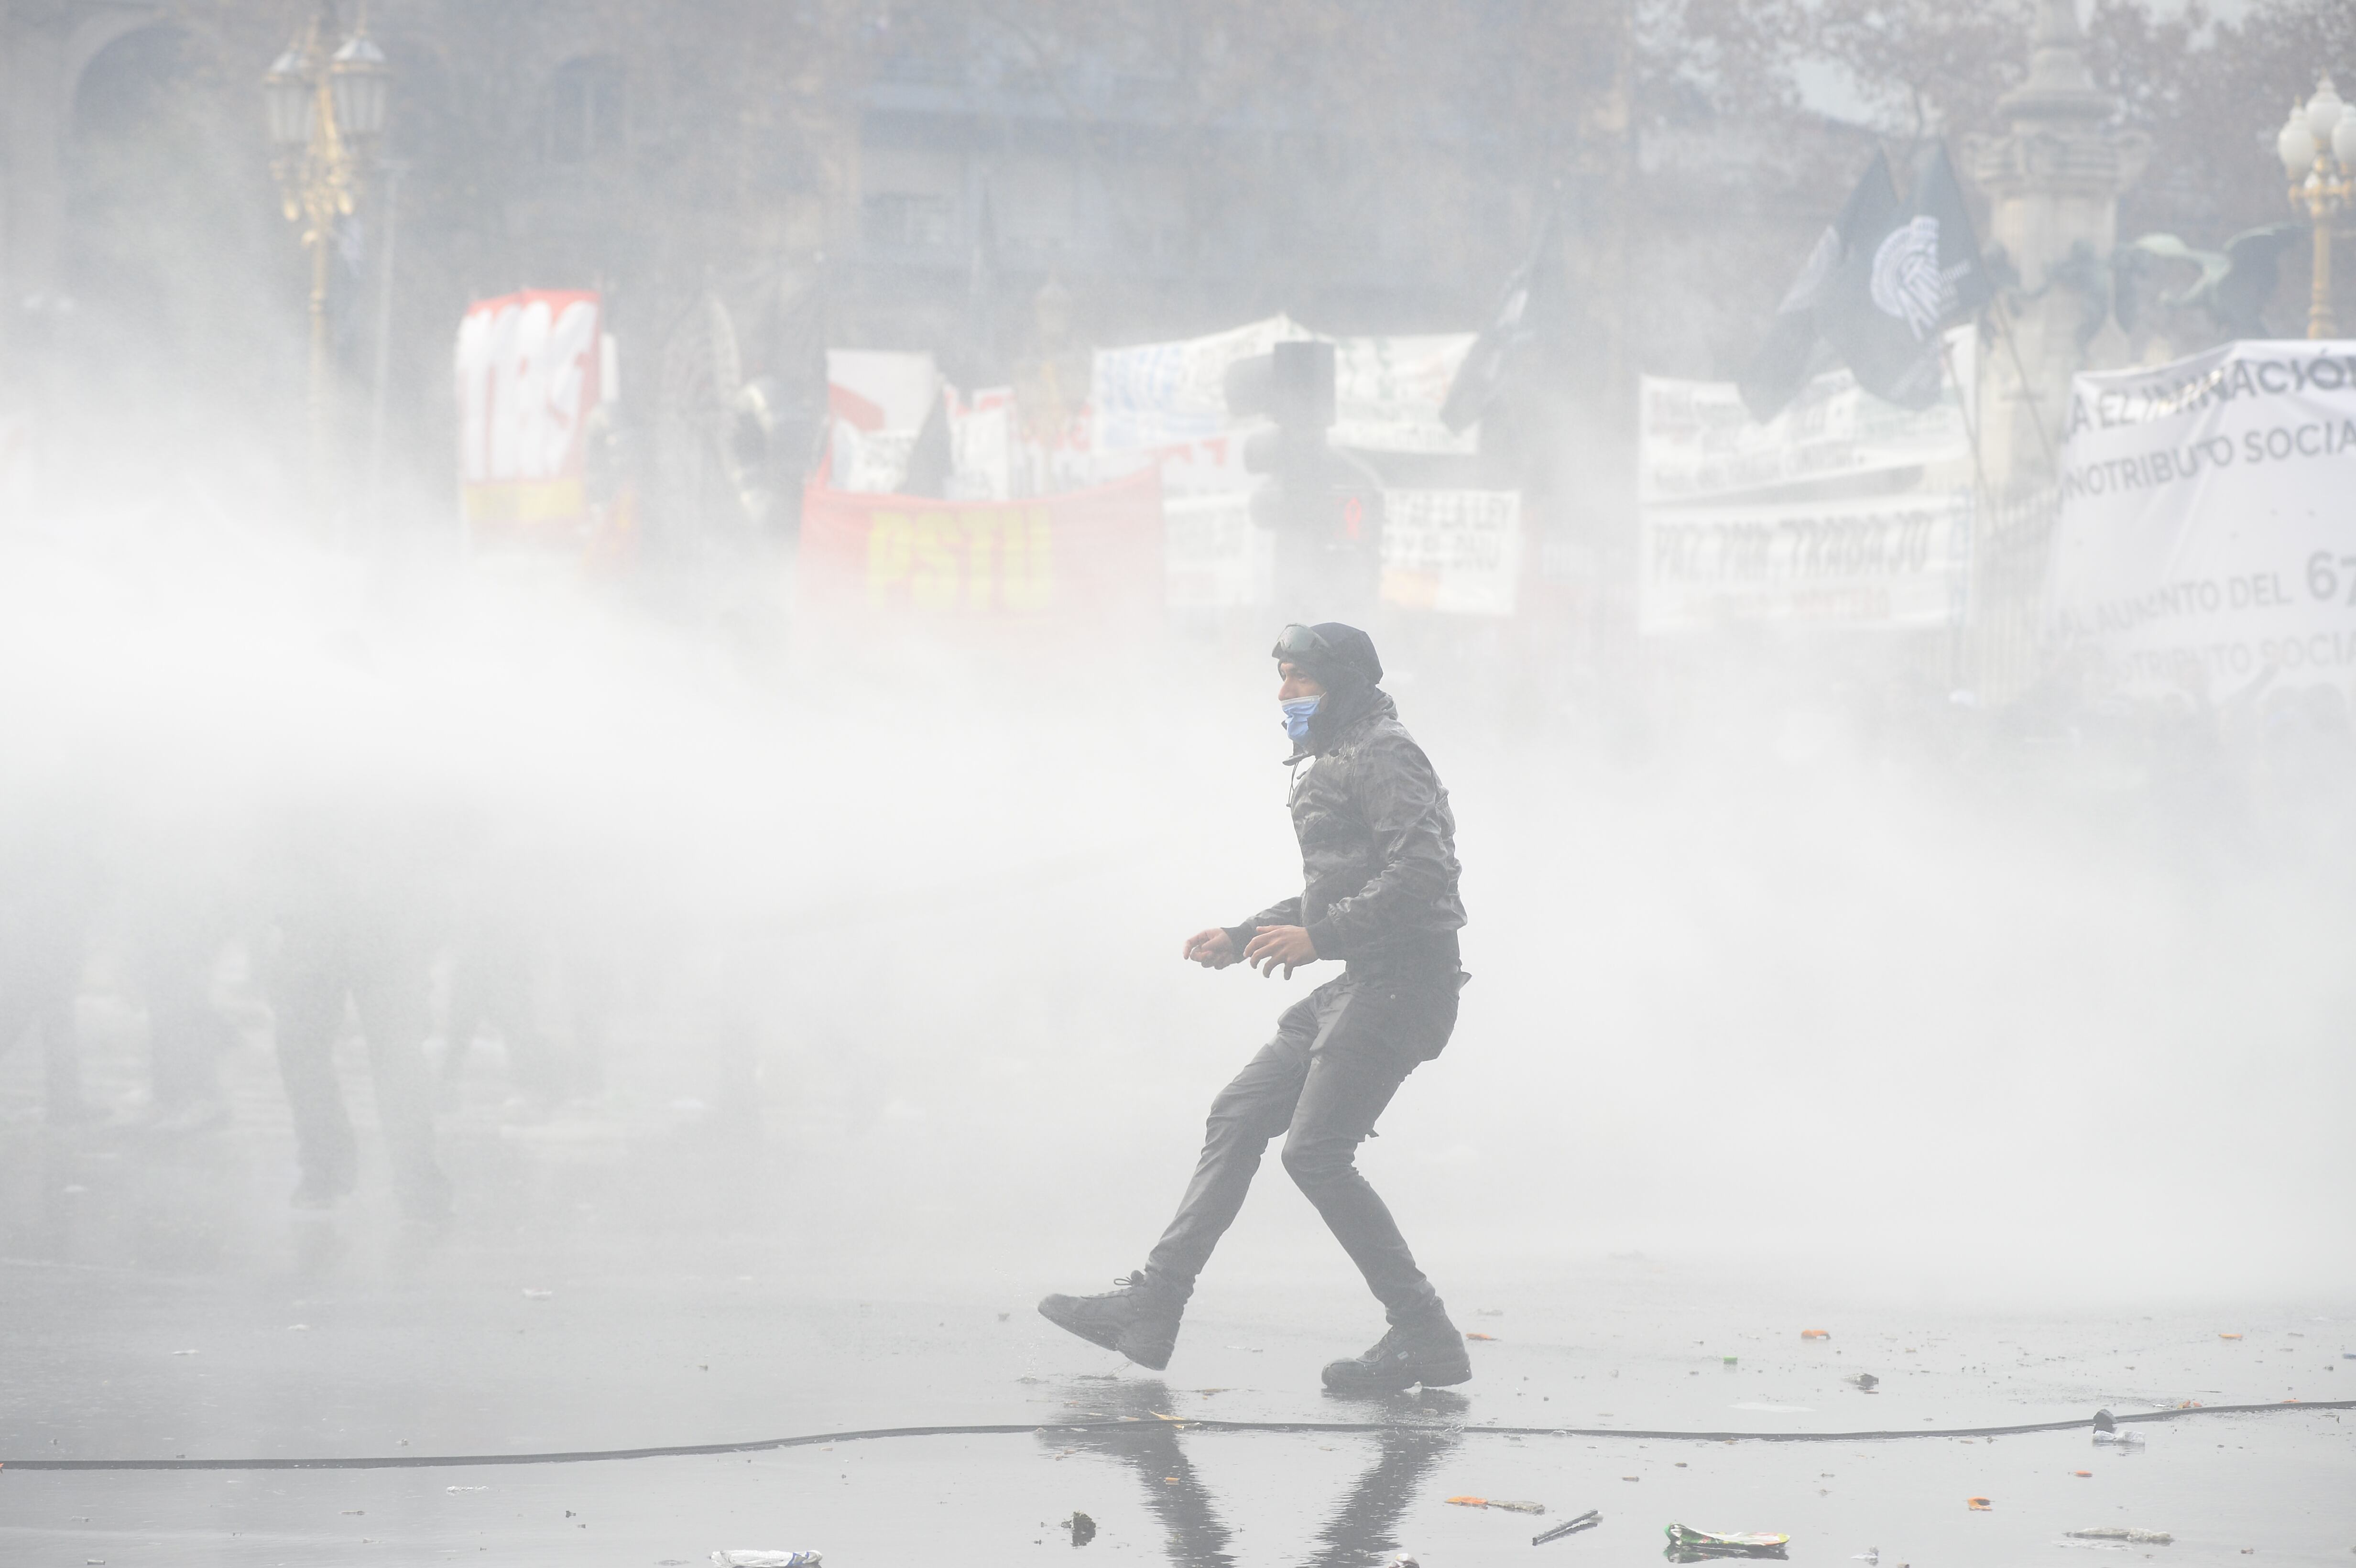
326	111
2318	148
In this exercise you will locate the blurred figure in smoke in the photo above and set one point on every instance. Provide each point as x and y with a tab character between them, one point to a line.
354	927
1378	848
176	941
47	880
493	970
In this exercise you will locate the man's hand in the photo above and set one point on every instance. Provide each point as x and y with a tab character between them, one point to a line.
1286	945
1212	949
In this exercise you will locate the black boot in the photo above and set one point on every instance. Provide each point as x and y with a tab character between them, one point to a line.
1428	1351
1140	1319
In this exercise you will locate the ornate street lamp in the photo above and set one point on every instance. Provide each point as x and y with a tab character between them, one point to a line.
2318	148
326	111
359	82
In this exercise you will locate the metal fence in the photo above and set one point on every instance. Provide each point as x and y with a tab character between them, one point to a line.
2015	536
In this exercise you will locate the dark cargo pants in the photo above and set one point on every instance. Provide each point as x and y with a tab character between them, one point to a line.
1338	1057
321	965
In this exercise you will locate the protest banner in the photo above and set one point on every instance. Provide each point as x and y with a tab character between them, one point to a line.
1213	558
1458	552
983	439
530	373
1388	391
1874	563
977	569
1695	441
2208	515
877	401
1168	394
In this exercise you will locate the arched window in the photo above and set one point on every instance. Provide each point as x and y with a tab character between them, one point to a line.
585	110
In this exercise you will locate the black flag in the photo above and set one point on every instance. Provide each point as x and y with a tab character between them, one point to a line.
1515	325
1897	291
1779	369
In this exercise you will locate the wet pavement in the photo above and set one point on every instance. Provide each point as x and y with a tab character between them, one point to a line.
456	1345
646	1271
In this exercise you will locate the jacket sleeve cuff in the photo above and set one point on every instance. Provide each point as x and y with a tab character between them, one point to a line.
1325	939
1241	936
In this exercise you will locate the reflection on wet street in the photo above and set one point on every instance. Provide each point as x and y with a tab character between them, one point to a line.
1359	1526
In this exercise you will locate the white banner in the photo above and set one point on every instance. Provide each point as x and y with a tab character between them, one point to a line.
1167	394
878	401
1456	551
529	367
982	438
1213	557
1386	391
1695	441
2208	515
1881	562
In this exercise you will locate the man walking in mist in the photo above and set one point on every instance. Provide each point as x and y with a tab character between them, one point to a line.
1378	849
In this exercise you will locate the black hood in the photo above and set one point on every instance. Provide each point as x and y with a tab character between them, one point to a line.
1352	660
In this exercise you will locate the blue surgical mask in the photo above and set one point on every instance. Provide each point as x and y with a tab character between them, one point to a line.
1296	717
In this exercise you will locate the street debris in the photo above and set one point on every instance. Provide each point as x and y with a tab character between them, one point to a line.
2122	1532
1586	1520
2225	1336
2120	1439
1506	1503
1870	1554
743	1557
1083	1527
1865	1381
1690	1545
1725	1360
1979	1505
1474	1335
466	1488
1815	1334
2082	1475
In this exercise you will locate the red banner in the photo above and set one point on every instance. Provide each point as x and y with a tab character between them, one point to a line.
1082	557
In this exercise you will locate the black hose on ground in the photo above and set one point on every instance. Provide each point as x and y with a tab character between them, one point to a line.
684	1451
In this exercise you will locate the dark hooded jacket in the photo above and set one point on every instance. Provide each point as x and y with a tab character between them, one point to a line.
1377	845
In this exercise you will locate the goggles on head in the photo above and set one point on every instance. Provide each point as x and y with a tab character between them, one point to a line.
1302	645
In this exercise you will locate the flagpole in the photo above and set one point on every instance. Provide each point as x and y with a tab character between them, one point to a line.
1971	425
2036	416
1956	639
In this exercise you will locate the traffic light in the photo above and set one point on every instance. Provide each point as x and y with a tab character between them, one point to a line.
1325	507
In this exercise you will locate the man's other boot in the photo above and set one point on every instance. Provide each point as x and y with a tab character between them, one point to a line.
1140	1319
1427	1350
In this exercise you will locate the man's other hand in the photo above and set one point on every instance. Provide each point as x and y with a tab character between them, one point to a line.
1286	945
1212	949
